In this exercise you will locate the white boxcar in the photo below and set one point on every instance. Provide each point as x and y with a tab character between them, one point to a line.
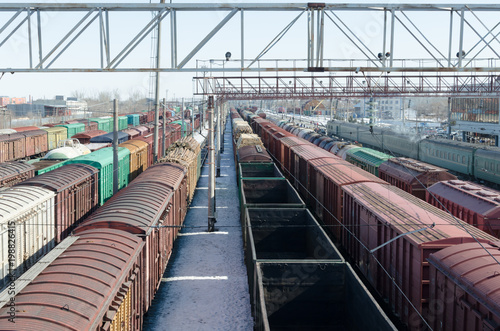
26	229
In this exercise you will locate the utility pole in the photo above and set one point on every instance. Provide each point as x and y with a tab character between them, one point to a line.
449	117
201	110
219	106
182	118
157	93
223	116
331	108
192	116
163	127
211	165
115	146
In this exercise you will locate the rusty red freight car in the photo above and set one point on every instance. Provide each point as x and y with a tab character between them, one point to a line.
12	147
26	128
141	129
176	131
411	175
174	176
84	137
464	288
36	142
326	179
141	209
283	154
257	124
472	203
266	132
12	173
299	157
253	154
89	125
94	285
76	187
376	214
131	133
275	137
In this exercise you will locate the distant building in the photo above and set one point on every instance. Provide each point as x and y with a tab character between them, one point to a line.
4	101
17	101
315	106
49	107
476	118
391	107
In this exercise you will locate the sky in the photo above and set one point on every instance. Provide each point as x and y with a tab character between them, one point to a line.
260	29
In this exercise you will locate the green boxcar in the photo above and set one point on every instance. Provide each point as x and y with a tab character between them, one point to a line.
55	135
258	171
102	159
42	166
73	128
104	124
134	119
50	168
122	122
367	159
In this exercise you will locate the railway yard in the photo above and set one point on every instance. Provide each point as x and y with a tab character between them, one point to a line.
206	166
312	232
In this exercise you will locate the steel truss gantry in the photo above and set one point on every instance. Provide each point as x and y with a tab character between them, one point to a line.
340	86
476	51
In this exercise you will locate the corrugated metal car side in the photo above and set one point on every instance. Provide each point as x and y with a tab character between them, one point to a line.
377	213
30	211
76	188
138	157
12	147
137	210
55	135
82	289
12	173
36	142
464	288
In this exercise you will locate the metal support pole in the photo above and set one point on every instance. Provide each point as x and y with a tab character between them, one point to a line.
242	39
223	121
449	117
192	116
450	38
201	110
157	96
115	146
163	127
39	27
211	164
219	106
182	119
385	37
331	108
461	41
392	37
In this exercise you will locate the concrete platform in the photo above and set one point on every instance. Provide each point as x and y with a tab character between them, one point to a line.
205	285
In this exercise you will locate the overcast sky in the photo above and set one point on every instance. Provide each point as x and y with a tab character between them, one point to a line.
260	29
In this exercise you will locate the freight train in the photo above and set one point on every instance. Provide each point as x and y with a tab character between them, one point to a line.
108	276
391	236
47	207
297	277
477	161
468	201
31	142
